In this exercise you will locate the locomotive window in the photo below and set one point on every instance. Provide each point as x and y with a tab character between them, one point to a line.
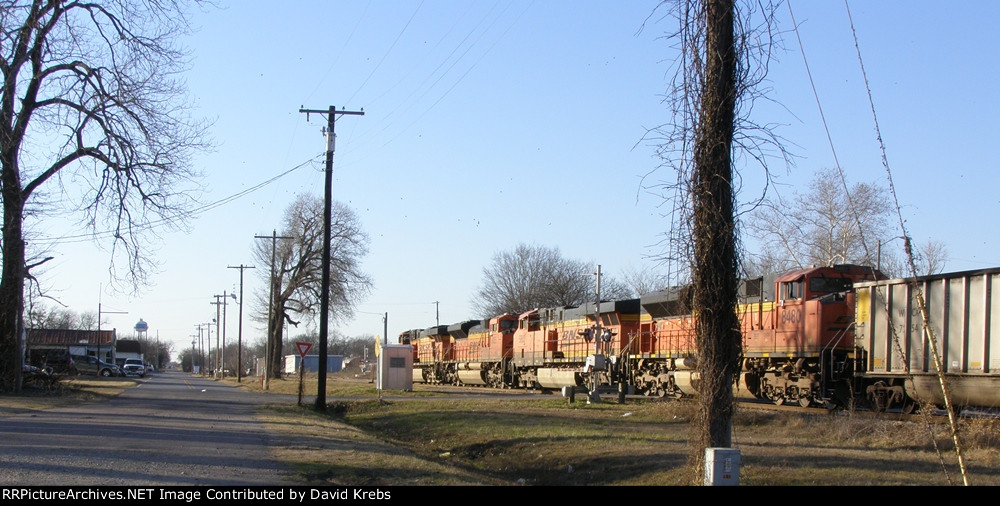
827	285
609	318
791	291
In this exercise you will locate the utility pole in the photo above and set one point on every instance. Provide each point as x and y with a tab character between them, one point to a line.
331	141
201	343
220	354
99	313
239	338
268	369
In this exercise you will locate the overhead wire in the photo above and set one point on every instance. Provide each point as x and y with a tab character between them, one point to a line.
895	335
73	238
914	286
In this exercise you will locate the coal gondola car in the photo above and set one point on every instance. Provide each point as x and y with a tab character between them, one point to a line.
897	367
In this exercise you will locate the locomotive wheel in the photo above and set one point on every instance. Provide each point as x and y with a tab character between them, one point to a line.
774	396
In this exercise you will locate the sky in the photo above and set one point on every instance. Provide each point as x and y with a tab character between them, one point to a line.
493	123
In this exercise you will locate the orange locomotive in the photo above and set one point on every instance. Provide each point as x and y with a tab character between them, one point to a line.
474	352
798	341
566	347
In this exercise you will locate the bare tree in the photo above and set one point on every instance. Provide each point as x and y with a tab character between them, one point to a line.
933	256
640	282
829	225
531	276
297	281
90	92
826	225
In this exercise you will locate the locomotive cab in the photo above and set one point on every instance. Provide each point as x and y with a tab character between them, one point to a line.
805	346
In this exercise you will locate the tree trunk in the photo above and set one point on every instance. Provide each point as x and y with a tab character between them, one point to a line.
275	367
716	259
11	282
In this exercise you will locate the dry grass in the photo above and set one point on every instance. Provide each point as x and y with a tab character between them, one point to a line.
544	440
70	390
326	452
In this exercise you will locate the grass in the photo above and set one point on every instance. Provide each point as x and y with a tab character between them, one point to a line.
544	440
69	391
338	385
436	436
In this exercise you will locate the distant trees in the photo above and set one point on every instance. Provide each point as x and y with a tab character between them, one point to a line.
531	276
830	224
297	282
56	317
93	119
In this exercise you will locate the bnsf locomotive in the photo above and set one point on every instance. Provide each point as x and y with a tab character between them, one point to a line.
812	336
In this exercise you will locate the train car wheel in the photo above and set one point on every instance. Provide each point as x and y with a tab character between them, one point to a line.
909	407
805	401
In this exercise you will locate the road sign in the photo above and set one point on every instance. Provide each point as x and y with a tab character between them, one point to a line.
303	348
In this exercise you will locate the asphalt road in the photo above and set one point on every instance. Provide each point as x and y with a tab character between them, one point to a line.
173	429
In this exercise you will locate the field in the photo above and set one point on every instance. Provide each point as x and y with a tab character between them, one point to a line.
479	436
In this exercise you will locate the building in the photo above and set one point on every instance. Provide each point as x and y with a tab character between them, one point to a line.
334	363
43	343
127	348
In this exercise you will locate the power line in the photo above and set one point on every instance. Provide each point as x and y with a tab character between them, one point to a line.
167	221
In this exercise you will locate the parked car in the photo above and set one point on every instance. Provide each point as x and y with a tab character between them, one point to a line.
52	361
95	366
134	367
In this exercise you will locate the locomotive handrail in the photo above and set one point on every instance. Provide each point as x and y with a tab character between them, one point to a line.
823	353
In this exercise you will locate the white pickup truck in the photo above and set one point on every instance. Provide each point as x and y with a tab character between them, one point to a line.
134	367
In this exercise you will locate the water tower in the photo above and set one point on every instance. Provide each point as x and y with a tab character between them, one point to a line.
140	329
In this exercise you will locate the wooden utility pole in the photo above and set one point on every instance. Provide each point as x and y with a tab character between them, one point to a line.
331	141
239	334
270	346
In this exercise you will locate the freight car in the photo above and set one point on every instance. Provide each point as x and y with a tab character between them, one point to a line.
897	366
816	336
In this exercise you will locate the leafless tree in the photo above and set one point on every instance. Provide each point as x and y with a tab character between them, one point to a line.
531	276
933	256
297	281
641	282
829	225
826	225
91	95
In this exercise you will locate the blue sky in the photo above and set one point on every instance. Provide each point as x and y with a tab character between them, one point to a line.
489	124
